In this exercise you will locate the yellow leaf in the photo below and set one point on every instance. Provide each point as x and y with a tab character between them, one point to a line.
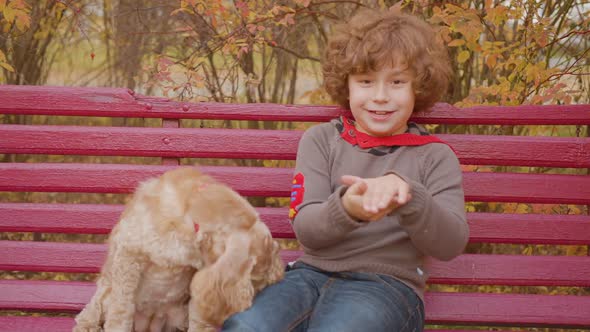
457	42
304	3
179	10
7	66
463	56
542	39
574	210
23	21
509	207
491	61
2	4
9	14
492	206
575	250
522	208
527	251
60	6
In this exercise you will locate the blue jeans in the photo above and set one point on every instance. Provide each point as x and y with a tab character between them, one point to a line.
309	299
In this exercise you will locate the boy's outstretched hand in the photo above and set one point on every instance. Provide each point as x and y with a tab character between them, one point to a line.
372	198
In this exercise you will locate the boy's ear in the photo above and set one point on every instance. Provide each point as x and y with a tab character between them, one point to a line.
397	8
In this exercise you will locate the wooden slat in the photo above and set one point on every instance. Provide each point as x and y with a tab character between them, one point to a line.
59	218
536	151
65	324
111	178
150	142
508	309
41	295
98	218
467	269
64	257
52	256
529	228
261	181
36	324
528	188
508	115
514	270
447	308
269	144
462	330
111	102
484	227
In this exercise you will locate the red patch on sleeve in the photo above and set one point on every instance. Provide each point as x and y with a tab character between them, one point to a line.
297	192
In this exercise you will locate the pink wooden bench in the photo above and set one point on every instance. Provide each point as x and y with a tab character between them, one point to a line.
29	303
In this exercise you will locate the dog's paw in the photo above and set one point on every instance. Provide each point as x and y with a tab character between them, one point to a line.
86	329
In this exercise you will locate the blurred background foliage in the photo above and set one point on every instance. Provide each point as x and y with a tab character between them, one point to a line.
252	51
504	52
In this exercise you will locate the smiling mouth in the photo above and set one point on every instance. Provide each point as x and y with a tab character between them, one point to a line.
381	112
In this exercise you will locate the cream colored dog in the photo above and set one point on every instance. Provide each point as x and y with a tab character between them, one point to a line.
154	252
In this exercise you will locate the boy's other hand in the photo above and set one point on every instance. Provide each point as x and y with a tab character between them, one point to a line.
372	198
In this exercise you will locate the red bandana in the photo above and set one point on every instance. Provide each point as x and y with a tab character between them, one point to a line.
365	141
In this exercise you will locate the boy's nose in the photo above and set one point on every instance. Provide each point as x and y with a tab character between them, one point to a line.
380	95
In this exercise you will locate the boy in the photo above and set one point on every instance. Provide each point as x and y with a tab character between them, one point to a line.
374	194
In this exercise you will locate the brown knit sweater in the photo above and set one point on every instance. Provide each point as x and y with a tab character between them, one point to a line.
431	224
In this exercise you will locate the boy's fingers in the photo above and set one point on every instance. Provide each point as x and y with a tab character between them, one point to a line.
386	199
357	188
356	200
379	216
370	201
379	201
349	180
403	195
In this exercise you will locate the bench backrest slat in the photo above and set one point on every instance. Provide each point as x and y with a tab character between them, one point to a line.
484	227
254	144
275	182
115	102
465	269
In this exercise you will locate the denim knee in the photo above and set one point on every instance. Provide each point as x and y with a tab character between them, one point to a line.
367	302
240	322
284	306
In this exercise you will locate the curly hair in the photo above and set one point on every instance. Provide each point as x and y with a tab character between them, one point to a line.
372	39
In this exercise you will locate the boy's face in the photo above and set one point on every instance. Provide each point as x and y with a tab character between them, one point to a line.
382	101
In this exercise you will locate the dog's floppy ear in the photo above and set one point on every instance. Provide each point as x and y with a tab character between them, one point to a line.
224	287
277	269
274	268
207	247
215	203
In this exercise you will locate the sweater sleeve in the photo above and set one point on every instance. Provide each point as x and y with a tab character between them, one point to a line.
321	220
435	216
